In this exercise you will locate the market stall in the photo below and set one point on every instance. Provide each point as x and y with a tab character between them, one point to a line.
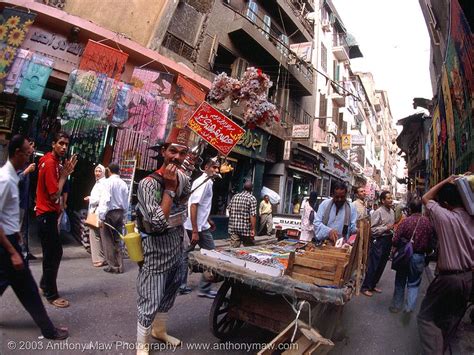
273	285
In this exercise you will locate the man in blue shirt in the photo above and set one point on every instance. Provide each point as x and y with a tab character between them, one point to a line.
336	218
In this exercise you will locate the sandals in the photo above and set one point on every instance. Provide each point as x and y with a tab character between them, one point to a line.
378	290
99	264
367	293
59	302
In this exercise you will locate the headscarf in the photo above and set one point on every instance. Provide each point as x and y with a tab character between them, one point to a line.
102	168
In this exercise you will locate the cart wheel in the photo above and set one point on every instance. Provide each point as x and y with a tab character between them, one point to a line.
222	325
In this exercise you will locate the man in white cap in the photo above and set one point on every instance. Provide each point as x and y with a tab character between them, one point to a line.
161	212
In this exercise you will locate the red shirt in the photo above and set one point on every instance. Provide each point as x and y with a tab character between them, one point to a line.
423	234
48	184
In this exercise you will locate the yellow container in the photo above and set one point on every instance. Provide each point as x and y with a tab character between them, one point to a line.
133	242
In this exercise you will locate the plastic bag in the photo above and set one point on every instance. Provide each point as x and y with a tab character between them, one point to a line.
64	223
273	196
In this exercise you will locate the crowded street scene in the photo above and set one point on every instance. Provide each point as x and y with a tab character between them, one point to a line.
236	177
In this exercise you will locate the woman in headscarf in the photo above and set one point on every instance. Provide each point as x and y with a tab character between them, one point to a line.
307	219
97	252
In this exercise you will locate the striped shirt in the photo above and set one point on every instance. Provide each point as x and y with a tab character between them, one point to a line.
163	251
241	208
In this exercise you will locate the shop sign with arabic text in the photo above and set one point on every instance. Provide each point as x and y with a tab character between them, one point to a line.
215	128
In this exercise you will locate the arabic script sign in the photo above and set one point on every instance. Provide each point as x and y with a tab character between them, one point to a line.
215	128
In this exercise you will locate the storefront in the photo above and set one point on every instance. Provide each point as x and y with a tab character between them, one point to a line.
333	169
248	160
302	173
39	77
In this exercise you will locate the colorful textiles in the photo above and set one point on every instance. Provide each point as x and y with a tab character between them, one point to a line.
35	76
103	59
87	138
154	82
14	25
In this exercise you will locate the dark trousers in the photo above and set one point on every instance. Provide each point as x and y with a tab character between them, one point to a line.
442	309
206	241
25	288
111	240
52	253
378	256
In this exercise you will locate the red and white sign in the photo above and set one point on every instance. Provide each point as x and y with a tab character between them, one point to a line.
215	128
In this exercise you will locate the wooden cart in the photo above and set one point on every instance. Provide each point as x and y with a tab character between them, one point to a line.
271	303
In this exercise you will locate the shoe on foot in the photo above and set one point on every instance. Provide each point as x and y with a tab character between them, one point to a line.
112	270
59	334
367	293
59	302
185	290
378	290
393	309
210	294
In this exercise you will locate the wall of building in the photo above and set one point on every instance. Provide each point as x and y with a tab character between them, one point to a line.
135	19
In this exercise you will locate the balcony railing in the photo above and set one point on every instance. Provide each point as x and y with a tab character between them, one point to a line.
340	47
278	38
300	9
294	114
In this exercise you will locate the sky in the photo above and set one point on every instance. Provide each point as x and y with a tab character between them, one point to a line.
394	40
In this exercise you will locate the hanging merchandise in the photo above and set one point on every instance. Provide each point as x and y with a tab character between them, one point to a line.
120	114
34	77
14	25
187	97
87	138
88	95
133	145
103	59
154	82
13	80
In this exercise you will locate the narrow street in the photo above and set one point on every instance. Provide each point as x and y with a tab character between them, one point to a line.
103	313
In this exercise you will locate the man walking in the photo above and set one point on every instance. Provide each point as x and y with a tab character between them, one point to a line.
243	217
359	203
161	212
448	294
198	225
51	180
266	218
112	210
336	218
14	271
382	222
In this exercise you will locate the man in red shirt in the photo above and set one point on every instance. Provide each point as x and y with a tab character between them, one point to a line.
51	180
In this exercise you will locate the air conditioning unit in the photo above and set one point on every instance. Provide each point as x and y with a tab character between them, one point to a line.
326	25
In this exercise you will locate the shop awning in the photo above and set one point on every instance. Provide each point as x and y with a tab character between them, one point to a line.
303	171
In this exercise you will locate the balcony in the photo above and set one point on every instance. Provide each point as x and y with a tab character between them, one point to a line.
296	10
338	96
294	114
267	45
340	49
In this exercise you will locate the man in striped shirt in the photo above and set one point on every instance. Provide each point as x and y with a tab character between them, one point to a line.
161	212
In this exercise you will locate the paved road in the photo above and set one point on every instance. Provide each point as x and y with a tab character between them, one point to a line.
103	315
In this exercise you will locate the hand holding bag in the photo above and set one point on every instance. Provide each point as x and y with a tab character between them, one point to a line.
92	219
402	255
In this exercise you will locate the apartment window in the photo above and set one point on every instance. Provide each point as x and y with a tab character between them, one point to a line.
323	111
252	11
239	67
267	21
335	73
324	57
